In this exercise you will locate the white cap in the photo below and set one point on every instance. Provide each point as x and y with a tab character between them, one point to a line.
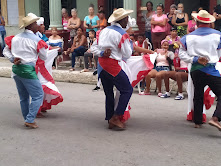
40	21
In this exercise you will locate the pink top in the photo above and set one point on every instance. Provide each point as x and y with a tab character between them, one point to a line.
191	26
162	60
157	28
65	24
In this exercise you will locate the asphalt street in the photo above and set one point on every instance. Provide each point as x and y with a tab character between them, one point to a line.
74	133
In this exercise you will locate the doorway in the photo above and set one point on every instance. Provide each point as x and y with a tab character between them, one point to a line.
111	4
44	9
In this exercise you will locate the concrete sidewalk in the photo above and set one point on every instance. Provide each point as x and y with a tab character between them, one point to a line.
63	75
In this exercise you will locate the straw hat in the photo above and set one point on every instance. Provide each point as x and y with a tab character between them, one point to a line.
29	19
119	14
204	17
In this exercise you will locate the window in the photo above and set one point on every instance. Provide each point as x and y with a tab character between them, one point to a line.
13	16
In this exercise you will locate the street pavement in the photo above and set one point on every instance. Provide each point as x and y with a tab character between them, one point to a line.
74	133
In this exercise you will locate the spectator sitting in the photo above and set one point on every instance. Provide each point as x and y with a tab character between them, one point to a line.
132	38
88	55
65	18
174	41
142	42
162	65
103	20
180	75
55	41
73	23
78	46
91	21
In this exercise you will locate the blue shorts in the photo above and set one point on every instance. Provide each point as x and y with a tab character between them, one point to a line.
162	68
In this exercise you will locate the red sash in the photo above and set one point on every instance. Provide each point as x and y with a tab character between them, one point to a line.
110	65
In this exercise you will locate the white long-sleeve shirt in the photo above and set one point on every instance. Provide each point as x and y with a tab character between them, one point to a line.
26	46
115	39
203	42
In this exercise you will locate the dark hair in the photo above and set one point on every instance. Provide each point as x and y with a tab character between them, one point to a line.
160	5
132	35
92	31
150	3
174	28
91	5
141	34
101	11
80	28
217	9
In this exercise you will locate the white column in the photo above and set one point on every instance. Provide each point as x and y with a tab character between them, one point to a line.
132	5
55	14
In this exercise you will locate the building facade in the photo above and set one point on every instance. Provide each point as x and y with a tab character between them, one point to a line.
14	10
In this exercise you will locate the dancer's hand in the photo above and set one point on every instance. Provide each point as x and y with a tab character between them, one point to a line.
107	52
203	61
17	61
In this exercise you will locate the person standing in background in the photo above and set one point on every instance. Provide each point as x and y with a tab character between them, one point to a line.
217	15
158	23
73	24
91	22
65	18
173	7
103	20
180	19
147	19
191	25
2	31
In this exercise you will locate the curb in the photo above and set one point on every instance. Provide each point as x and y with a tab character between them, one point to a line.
61	76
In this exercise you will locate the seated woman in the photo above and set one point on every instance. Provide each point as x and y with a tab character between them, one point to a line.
55	41
162	65
174	40
88	55
78	47
180	75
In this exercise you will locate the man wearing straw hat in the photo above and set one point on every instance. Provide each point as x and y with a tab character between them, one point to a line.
24	50
114	46
201	48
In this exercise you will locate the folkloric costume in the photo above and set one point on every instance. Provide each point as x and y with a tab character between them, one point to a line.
109	70
194	46
135	68
27	47
52	95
